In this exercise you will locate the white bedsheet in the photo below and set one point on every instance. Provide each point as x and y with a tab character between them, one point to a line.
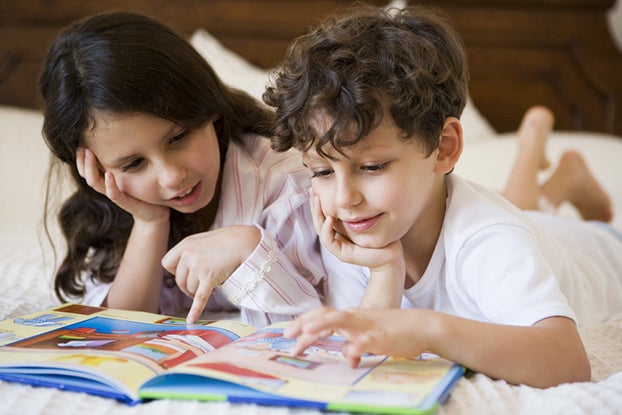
25	289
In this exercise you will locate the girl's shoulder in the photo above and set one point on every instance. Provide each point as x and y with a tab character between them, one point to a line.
257	150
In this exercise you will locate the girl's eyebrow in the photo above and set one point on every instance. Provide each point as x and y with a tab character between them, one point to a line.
124	159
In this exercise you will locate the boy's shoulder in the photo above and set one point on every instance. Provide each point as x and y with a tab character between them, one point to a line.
471	207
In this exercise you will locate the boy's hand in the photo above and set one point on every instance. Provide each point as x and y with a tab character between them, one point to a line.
105	183
346	250
203	261
365	331
386	264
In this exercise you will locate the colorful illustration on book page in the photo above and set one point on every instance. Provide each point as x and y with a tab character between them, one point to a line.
18	328
263	360
158	346
400	382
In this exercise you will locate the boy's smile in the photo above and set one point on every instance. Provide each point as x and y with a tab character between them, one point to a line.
360	225
382	189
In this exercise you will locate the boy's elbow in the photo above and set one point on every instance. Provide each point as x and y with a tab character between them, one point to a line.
584	370
578	370
568	358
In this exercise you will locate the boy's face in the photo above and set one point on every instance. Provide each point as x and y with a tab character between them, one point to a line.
383	188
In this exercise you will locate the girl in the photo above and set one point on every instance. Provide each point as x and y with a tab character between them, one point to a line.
478	280
571	181
164	156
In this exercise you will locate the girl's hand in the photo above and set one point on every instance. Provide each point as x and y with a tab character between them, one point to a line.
203	261
105	183
365	331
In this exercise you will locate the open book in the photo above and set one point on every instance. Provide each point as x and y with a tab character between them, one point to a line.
135	356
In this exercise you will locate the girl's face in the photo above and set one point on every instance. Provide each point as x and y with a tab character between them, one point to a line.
381	189
157	161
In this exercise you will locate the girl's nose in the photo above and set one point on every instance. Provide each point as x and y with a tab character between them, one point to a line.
171	175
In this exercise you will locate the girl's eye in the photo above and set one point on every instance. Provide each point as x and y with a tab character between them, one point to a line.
374	168
320	173
135	164
179	136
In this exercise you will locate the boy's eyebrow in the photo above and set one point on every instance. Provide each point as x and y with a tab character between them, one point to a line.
311	155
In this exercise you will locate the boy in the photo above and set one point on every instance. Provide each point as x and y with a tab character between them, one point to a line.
373	101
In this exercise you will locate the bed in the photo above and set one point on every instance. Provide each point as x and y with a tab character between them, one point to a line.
521	52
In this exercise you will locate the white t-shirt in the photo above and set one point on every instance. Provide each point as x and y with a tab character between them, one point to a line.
495	263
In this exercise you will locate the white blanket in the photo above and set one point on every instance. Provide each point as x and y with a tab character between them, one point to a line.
26	265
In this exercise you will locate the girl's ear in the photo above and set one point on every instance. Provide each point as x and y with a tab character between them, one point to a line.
449	147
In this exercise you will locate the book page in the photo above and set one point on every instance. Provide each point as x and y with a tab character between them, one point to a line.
22	327
116	347
263	361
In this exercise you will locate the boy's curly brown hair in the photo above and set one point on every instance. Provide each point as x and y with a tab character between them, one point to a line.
354	62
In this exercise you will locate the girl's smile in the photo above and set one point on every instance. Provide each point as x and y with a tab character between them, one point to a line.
157	161
188	197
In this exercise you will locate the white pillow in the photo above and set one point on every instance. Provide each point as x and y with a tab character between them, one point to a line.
489	162
237	72
23	165
232	69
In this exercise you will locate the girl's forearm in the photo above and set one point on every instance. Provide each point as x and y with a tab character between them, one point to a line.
138	282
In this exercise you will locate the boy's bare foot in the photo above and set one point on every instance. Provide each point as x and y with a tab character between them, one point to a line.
573	181
535	127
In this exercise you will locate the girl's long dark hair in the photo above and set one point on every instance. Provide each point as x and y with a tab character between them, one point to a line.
118	63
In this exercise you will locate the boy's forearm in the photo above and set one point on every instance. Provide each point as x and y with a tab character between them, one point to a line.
138	282
544	355
385	288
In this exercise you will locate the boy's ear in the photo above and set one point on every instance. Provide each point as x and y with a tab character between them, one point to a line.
449	147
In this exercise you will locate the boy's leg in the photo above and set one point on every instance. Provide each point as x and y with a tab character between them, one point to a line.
522	187
573	181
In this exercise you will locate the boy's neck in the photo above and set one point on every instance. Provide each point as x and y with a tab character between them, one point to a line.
420	241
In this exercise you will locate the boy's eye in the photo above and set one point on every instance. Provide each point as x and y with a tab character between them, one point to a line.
373	168
132	165
320	173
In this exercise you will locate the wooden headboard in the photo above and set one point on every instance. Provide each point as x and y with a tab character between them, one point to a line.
521	52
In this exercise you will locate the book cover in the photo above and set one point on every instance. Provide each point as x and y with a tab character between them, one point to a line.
135	356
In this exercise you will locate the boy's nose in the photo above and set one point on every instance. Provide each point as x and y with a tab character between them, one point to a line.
347	193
